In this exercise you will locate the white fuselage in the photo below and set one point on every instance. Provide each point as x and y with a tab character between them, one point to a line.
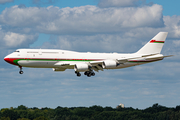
47	58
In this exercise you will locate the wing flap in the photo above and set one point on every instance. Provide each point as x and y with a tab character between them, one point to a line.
96	65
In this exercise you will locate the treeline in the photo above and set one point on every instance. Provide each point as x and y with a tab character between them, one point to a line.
156	112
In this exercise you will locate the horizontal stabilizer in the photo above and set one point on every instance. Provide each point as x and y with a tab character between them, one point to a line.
168	56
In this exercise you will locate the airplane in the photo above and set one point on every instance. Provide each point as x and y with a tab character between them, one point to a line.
87	62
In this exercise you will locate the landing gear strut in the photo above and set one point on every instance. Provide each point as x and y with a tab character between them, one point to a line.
20	72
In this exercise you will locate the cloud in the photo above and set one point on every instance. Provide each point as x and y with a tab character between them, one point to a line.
16	40
102	28
86	28
5	1
92	43
120	3
21	6
176	43
173	26
81	20
39	2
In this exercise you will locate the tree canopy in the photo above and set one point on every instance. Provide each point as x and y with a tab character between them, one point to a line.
155	112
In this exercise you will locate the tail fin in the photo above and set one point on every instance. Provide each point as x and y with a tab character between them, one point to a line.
154	46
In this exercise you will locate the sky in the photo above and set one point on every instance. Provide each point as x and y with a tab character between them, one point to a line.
95	26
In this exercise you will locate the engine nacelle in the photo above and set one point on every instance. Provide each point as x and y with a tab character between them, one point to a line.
81	67
59	69
108	64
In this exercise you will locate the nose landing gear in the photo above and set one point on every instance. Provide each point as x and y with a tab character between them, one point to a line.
20	72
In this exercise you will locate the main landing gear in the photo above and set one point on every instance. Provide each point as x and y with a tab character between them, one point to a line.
20	72
88	73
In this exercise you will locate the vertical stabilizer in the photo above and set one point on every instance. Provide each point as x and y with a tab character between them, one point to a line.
154	46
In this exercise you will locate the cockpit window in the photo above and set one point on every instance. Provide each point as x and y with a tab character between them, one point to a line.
16	51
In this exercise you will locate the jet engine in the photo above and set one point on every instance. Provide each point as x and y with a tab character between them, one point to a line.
81	67
108	64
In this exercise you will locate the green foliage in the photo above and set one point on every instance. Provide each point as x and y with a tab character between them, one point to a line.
4	109
155	112
97	108
40	118
23	119
22	113
5	118
12	114
21	107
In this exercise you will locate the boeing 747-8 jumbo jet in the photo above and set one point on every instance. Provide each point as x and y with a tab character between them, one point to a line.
87	62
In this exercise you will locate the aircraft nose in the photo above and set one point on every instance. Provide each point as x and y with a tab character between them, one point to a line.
8	60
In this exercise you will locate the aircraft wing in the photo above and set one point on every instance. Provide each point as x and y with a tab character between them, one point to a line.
98	65
95	65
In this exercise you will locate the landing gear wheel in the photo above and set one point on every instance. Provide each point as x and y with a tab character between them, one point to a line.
85	73
89	75
21	72
78	74
93	74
